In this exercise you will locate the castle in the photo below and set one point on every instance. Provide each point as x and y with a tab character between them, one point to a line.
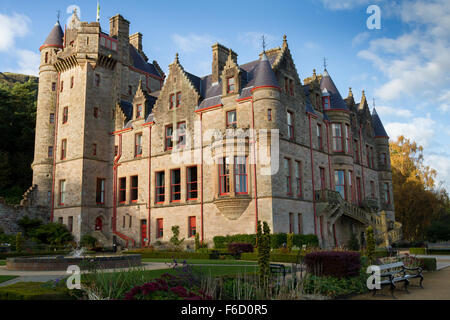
109	123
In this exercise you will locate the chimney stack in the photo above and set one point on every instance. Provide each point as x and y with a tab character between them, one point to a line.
136	41
220	57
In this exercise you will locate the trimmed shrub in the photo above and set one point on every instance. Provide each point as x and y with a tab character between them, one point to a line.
277	240
417	251
333	263
238	248
34	291
88	241
428	264
168	255
274	257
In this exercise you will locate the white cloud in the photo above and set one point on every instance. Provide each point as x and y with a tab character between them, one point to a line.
421	130
344	4
442	165
360	38
28	62
193	42
385	111
12	27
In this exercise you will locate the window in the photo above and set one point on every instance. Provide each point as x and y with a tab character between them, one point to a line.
290	123
62	192
291	222
178	99
71	82
287	172
368	155
339	178
231	85
348	140
192	226
46	57
240	175
269	114
160	187
351	186
70	224
124	222
94	149
358	189
181	135
159	228
62	86
100	198
356	146
322	179
231	119
168	138
192	183
224	177
383	159
138	145
122	190
65	115
372	189
50	152
139	111
53	86
337	137
130	222
175	185
134	188
171	101
291	87
97	80
52	118
387	196
298	178
286	85
95	112
319	137
299	222
372	165
326	103
63	149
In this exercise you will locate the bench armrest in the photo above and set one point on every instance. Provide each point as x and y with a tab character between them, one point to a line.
413	269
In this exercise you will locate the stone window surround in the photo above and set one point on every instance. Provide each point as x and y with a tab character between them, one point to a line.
232	177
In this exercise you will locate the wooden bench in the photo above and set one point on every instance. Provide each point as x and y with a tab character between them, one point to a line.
393	273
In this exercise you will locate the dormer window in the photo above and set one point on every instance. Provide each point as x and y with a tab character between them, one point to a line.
139	112
326	102
231	85
231	119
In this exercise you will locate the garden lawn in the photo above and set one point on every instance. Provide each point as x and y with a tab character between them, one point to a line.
6	278
202	261
2	262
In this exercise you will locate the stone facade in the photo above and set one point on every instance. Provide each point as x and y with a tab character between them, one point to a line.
120	122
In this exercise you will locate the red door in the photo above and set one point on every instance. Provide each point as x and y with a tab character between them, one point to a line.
98	224
144	239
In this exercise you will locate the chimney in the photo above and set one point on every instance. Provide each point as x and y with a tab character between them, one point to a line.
136	41
220	57
119	27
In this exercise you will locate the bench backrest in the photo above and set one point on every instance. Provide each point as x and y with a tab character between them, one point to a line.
394	265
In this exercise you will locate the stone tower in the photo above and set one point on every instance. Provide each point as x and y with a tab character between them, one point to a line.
46	118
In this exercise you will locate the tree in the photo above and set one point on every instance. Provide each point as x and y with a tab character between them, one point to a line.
19	242
29	225
175	240
53	234
417	199
263	241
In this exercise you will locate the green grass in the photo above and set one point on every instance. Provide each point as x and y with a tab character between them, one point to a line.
2	262
6	278
202	261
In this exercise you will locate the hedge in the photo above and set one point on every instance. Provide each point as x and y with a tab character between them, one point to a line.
417	251
274	257
277	240
4	256
428	264
333	263
149	254
34	291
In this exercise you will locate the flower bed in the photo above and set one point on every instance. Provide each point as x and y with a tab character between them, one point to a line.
333	263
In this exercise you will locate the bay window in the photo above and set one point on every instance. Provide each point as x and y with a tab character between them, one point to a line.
224	177
339	179
240	175
337	137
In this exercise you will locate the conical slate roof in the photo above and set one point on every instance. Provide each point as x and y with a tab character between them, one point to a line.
336	99
378	126
265	77
55	38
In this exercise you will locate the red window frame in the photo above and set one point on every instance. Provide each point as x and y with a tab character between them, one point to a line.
108	42
288	176
224	177
116	150
231	85
326	103
340	184
181	134
319	136
63	149
240	175
138	145
348	137
358	189
352	187
192	226
178	101
62	192
159	228
139	111
291	135
122	190
232	124
323	185
160	187
291	222
171	101
298	178
100	192
387	193
337	137
50	152
175	186
134	188
65	115
192	183
168	144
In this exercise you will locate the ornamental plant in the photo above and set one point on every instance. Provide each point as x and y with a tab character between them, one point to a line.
197	242
290	242
175	240
263	240
333	263
19	242
370	244
238	248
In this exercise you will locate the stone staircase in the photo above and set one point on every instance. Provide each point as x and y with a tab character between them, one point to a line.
27	198
103	240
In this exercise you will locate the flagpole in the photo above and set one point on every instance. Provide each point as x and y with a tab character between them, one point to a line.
98	11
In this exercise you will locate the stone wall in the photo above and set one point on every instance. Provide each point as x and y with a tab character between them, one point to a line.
10	215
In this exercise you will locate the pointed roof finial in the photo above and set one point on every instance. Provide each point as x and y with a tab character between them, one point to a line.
314	73
374	103
324	63
350	93
176	57
364	94
284	38
58	15
264	42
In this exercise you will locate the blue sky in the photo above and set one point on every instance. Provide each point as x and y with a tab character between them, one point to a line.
405	65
